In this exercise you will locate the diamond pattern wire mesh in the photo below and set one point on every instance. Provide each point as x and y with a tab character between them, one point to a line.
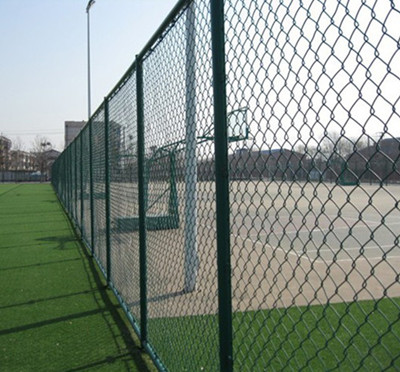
124	194
181	258
99	190
85	192
314	194
74	190
78	185
313	153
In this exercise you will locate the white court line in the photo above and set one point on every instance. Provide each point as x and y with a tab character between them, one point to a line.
294	253
372	221
320	230
320	260
332	217
303	256
350	248
363	220
259	242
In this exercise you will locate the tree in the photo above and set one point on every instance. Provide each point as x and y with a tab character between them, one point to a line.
40	146
18	145
336	146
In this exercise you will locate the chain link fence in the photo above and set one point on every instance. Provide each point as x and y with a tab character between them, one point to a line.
239	187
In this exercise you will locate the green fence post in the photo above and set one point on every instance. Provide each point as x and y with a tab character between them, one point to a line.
71	190
76	180
107	180
65	175
92	241
81	178
222	185
142	202
190	234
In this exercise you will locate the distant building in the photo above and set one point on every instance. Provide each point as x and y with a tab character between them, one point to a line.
377	163
22	161
274	164
5	148
45	160
72	129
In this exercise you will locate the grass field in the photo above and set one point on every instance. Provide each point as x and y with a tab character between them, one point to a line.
55	313
362	336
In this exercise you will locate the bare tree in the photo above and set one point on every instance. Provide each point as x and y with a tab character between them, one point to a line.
40	146
18	145
335	145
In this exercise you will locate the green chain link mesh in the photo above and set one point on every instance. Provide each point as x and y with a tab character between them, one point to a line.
181	238
124	194
314	150
99	189
85	191
314	190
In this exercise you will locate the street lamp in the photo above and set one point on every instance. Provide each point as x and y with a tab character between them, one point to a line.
89	5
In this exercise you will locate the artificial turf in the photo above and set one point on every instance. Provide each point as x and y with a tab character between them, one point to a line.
56	315
357	336
55	312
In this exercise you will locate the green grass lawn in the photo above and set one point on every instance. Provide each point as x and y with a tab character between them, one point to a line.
363	336
55	313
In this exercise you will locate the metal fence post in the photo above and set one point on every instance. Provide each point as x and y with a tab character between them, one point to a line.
222	185
67	179
191	254
65	175
107	181
76	182
91	187
71	190
142	202
81	178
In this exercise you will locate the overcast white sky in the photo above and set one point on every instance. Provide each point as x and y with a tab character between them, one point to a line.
43	64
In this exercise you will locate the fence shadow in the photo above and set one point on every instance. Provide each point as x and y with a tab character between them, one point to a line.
60	241
103	297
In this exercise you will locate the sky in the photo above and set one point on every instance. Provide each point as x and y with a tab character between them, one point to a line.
43	64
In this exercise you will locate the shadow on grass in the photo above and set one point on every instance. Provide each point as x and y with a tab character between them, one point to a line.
108	360
26	231
61	241
51	321
38	264
39	300
99	287
125	330
159	298
22	246
10	190
123	348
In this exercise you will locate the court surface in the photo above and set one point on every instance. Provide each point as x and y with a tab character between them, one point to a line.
292	243
322	222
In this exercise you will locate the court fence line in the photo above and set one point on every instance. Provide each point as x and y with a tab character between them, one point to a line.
239	187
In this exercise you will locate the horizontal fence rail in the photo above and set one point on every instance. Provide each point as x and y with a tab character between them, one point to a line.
239	187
